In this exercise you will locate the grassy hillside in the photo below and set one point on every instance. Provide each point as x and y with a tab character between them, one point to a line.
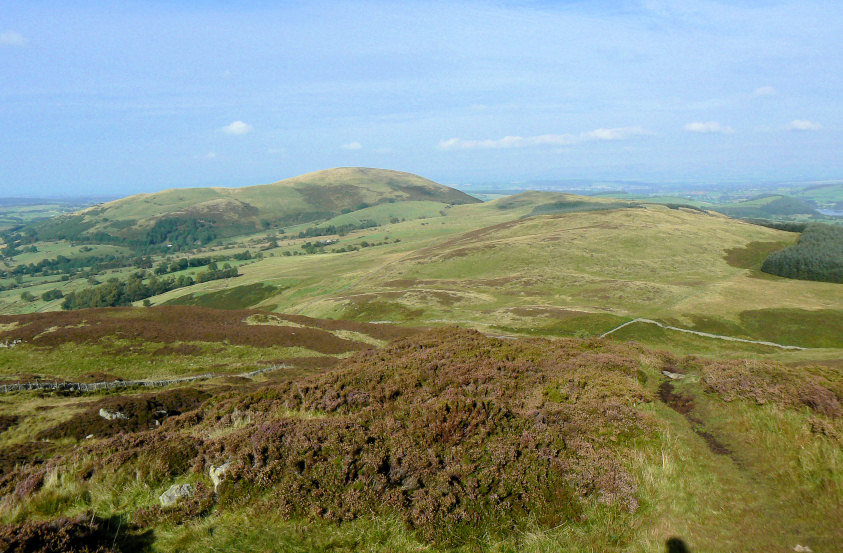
827	196
538	263
581	272
188	216
445	440
768	206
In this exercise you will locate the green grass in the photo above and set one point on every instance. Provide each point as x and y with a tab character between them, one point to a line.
308	198
237	297
477	263
132	360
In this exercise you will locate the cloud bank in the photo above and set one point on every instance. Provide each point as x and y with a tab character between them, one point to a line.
619	133
708	127
237	128
803	125
12	38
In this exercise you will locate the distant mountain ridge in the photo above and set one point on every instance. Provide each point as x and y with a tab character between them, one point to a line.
198	215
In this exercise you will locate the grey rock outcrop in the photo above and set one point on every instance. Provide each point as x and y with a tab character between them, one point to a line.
217	474
175	493
109	415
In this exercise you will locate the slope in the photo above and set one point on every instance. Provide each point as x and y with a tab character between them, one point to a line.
199	215
558	274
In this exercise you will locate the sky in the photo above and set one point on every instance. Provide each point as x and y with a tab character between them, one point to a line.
114	98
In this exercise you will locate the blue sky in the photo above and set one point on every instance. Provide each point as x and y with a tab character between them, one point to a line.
121	97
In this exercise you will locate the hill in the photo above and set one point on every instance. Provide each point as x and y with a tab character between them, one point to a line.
769	206
583	272
827	196
186	217
445	440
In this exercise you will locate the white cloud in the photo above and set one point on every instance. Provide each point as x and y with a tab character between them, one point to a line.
12	38
237	127
352	146
803	125
567	139
709	127
764	91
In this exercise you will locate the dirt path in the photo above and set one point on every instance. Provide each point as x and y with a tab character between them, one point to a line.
703	334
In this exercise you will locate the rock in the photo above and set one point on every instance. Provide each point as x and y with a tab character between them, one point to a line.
89	436
218	474
801	548
673	376
410	484
174	494
112	415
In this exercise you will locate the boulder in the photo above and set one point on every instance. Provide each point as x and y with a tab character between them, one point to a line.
174	494
218	474
110	415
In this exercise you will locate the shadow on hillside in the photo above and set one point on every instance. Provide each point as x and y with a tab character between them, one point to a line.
676	545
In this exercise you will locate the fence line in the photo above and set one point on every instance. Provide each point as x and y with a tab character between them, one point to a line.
94	386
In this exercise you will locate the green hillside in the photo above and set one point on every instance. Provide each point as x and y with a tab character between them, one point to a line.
308	435
186	217
828	196
768	206
494	266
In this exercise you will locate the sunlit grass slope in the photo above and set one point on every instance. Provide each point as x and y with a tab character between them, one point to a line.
230	211
495	267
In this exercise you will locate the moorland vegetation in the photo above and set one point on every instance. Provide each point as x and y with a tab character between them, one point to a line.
362	431
463	440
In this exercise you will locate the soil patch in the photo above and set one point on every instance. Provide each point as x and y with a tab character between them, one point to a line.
84	533
684	405
7	421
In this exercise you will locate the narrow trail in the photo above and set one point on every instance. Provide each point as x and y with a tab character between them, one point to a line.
93	386
703	334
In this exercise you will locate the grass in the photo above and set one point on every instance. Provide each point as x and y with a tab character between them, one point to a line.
138	343
782	466
237	297
654	262
476	264
306	198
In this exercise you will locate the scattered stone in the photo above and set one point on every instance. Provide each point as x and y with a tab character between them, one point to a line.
174	494
410	484
673	376
109	415
801	548
218	474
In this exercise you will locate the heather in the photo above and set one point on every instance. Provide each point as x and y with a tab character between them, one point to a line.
446	439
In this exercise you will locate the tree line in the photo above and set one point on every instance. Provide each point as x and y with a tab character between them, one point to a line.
817	255
137	287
